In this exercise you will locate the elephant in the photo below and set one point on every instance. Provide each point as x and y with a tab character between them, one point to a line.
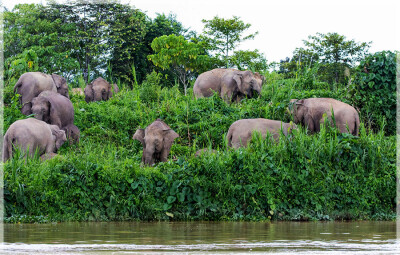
99	90
310	113
72	132
31	84
240	132
157	140
55	109
33	135
232	85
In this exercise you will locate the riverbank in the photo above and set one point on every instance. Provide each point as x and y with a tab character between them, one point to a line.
326	176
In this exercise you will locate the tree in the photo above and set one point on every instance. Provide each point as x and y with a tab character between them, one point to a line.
373	90
224	35
29	29
159	26
182	56
334	52
246	59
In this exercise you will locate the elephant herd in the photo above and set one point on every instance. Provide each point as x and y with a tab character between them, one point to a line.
46	96
232	86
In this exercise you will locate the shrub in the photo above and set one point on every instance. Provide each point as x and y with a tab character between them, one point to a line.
149	91
373	90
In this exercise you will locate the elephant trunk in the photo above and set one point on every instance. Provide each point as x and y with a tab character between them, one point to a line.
258	90
148	157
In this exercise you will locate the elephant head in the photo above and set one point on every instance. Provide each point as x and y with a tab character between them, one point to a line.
98	90
72	133
257	86
298	110
59	137
157	140
248	83
41	108
61	84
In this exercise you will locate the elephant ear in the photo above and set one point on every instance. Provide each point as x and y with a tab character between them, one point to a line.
238	77
88	93
169	137
59	136
110	91
139	135
58	80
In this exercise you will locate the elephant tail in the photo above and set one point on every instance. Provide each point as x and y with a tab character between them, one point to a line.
356	124
229	137
17	85
7	148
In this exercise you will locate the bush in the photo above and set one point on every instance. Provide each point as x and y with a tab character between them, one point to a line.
149	91
373	90
323	176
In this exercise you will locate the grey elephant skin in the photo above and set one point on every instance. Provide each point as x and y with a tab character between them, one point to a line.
310	113
99	90
240	132
157	139
56	109
31	84
33	135
232	85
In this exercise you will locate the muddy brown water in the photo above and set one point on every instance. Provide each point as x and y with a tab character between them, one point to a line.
361	237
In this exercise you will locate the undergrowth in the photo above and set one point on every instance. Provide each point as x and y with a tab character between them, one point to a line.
303	177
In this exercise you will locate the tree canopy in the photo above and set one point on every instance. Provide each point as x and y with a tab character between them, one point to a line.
183	57
333	52
224	35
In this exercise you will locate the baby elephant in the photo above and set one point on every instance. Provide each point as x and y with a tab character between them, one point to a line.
310	112
33	135
56	109
99	90
240	132
157	140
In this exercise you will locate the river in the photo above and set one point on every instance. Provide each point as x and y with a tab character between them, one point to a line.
360	237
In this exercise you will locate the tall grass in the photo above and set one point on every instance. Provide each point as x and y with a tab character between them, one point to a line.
303	177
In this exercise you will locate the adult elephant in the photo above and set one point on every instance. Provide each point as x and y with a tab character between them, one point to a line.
310	113
231	84
33	135
99	90
56	109
240	132
31	84
157	140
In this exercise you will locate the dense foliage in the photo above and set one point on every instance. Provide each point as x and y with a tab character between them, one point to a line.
81	39
303	177
374	90
323	176
332	53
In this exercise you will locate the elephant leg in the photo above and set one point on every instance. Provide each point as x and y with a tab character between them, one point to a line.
226	95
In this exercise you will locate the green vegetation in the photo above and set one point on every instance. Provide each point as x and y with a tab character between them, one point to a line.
324	176
315	177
